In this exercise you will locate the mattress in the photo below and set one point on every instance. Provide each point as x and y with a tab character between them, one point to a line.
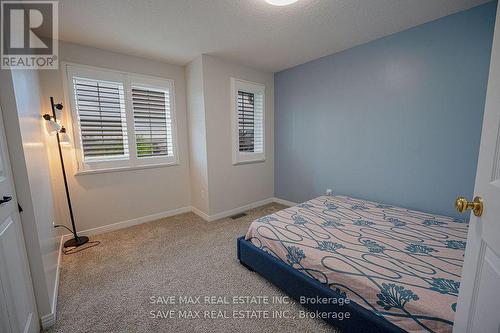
401	264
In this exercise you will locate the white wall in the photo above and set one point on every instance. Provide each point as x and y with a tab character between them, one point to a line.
232	186
26	138
197	135
229	186
107	198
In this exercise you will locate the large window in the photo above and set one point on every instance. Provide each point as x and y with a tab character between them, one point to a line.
248	121
121	120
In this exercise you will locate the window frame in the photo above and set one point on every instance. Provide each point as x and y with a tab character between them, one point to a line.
128	80
249	87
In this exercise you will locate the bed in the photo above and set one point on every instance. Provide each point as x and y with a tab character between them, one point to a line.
399	268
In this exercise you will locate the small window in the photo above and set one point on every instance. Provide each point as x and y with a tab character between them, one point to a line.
248	121
121	120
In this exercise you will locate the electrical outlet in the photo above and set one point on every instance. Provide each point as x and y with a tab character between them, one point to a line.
329	191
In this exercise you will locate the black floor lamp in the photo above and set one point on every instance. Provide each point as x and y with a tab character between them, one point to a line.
59	129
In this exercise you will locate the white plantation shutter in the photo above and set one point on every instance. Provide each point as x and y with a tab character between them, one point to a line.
121	120
250	122
152	122
100	106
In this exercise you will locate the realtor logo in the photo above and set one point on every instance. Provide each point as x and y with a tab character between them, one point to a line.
24	23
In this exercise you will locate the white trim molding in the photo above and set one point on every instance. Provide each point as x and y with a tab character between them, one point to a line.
201	214
227	213
285	202
132	222
49	320
173	212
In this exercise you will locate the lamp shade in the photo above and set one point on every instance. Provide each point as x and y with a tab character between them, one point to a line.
53	126
64	137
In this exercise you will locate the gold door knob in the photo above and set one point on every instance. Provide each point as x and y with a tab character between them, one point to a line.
476	206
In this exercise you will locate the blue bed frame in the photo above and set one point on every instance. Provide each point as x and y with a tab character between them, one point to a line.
296	284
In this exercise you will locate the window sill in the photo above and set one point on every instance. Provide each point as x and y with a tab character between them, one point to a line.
121	169
260	160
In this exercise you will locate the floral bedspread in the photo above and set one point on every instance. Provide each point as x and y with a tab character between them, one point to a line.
398	263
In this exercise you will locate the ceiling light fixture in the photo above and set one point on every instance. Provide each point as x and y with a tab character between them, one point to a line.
281	2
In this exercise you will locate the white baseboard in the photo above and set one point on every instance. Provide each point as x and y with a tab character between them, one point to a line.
227	213
241	209
285	202
132	222
200	213
169	213
50	319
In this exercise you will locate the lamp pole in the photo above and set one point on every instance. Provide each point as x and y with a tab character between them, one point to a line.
76	240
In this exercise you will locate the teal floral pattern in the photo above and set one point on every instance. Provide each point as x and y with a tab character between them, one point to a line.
373	246
393	296
433	222
329	246
445	286
396	222
454	307
295	255
363	223
332	223
304	205
419	248
331	206
267	219
455	244
297	219
359	207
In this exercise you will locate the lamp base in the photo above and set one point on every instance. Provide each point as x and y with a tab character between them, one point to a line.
76	242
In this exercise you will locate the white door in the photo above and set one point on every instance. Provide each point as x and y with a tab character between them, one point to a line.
17	302
478	307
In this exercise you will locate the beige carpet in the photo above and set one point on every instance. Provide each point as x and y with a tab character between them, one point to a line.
108	288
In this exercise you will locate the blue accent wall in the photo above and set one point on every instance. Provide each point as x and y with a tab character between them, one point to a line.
397	120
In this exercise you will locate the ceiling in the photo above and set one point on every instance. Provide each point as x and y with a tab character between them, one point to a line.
250	32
